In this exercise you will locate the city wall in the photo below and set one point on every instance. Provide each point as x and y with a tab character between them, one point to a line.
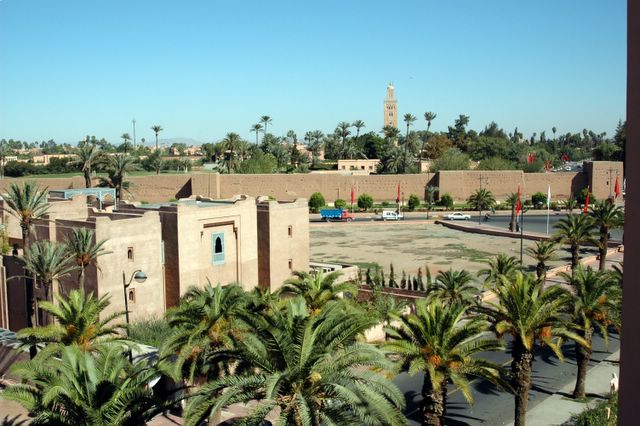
460	184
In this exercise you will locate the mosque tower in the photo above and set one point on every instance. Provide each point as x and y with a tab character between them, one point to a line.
390	108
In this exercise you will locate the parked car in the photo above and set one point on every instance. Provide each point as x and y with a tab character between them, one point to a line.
336	214
389	215
457	216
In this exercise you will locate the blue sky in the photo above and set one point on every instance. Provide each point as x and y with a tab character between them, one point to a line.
204	68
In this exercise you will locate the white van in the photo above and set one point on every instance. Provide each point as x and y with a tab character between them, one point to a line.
389	215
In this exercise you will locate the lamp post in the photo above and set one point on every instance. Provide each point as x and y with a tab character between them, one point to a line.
140	277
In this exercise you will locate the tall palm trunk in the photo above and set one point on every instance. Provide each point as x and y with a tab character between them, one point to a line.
583	356
521	376
87	178
31	300
575	257
512	223
603	246
540	270
433	406
81	278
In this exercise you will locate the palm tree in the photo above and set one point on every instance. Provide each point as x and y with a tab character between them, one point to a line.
501	265
596	296
317	289
429	117
256	128
482	199
358	124
575	230
512	200
571	204
79	321
155	162
438	341
455	287
118	166
231	142
126	138
530	314
4	152
343	132
203	325
157	129
308	370
606	216
48	261
27	204
409	119
84	250
390	133
554	130
431	196
265	120
543	252
88	156
82	388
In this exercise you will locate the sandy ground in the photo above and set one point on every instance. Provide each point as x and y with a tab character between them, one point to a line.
412	245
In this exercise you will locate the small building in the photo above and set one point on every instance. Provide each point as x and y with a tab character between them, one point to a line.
368	166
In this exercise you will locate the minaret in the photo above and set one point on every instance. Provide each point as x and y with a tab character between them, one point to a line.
390	108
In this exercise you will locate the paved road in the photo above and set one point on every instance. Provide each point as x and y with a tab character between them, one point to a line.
495	407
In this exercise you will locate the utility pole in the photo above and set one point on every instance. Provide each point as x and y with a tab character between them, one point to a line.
134	133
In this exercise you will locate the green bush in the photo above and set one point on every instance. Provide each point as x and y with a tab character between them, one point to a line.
340	203
539	199
152	331
414	202
316	201
581	198
385	204
597	415
365	201
446	201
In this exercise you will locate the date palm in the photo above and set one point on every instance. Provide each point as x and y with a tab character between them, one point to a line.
454	287
231	142
501	265
543	252
597	297
570	205
438	341
342	130
533	316
482	199
79	320
84	250
317	289
256	128
575	230
429	117
265	120
512	200
88	156
117	167
86	389
157	129
409	119
308	370
126	138
358	124
203	324
390	133
606	216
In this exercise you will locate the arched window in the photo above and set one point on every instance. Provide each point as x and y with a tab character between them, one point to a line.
217	249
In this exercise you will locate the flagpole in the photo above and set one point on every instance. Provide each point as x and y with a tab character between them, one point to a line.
521	235
548	206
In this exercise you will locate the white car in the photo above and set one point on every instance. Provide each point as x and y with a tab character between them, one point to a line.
457	216
389	215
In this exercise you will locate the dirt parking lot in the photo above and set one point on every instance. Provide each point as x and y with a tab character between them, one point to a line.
412	245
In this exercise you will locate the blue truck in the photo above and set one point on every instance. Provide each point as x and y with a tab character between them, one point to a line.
329	215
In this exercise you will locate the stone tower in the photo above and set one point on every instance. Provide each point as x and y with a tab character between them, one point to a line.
390	108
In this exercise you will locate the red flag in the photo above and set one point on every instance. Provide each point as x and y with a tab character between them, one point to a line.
353	194
518	204
547	166
617	188
586	203
398	196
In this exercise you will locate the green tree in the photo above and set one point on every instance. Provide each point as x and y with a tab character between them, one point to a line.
83	248
596	296
157	129
316	202
265	120
606	216
429	117
451	159
431	197
317	289
539	199
436	145
259	163
310	369
5	151
79	320
414	202
512	200
358	124
340	203
531	315
575	230
118	166
571	204
81	388
482	199
543	252
257	128
231	142
343	132
446	200
502	265
89	155
496	163
365	201
438	341
409	119
454	287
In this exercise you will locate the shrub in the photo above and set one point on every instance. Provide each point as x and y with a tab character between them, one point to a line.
152	331
446	201
316	201
452	159
365	201
340	203
414	202
539	199
385	204
581	198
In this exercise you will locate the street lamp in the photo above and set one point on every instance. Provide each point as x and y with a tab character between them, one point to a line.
140	277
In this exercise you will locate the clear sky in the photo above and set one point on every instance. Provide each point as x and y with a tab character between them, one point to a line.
204	68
